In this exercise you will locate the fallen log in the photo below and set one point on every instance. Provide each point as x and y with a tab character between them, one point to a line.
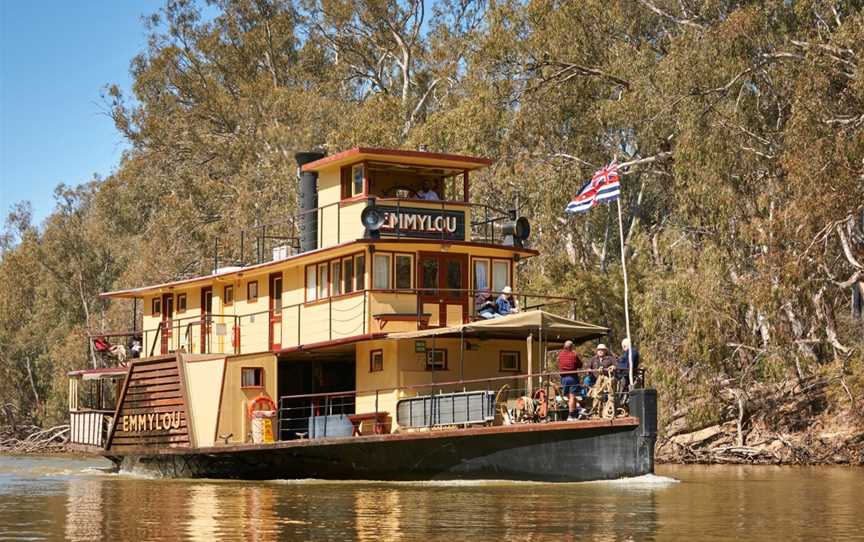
32	439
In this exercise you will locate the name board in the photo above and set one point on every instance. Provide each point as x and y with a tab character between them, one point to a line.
423	223
154	421
152	408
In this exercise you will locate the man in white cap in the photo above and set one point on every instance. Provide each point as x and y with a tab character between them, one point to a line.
623	369
505	304
602	360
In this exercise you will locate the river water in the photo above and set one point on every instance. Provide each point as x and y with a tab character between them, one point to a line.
50	498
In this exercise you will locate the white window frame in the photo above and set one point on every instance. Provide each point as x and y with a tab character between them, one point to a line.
377	282
311	282
493	284
336	278
323	280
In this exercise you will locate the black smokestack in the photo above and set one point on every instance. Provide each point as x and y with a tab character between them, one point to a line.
308	201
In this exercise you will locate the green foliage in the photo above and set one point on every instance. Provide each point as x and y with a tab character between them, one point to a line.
735	230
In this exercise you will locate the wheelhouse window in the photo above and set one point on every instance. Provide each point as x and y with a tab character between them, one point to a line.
181	302
156	306
252	377
228	295
358	172
311	282
509	361
436	360
376	361
252	290
404	270
381	271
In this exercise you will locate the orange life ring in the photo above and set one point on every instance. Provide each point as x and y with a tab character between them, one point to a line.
260	399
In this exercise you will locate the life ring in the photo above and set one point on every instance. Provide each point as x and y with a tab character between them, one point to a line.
260	399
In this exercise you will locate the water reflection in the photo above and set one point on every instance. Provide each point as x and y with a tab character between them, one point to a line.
38	502
84	507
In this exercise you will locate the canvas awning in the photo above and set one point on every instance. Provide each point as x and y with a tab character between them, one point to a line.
516	326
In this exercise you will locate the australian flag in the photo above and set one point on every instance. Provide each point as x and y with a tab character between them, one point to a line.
605	185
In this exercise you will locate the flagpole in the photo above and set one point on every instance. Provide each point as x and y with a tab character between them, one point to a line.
626	292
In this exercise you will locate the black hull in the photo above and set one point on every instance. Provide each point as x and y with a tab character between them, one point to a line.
554	452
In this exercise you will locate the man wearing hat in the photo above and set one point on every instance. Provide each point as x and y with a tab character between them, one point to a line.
505	305
602	360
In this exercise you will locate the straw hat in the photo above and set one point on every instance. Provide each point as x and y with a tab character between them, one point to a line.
602	346
507	290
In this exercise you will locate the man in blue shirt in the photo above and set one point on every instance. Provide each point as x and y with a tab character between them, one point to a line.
622	369
504	304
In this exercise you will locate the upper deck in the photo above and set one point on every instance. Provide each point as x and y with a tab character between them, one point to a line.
368	253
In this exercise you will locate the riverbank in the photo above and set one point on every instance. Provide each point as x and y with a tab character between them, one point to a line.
809	422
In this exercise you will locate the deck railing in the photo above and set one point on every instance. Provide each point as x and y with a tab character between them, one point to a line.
339	222
344	317
89	427
523	398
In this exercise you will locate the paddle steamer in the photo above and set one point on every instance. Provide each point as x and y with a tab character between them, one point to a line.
343	343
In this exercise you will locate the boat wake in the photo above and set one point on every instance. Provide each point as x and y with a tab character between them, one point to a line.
646	480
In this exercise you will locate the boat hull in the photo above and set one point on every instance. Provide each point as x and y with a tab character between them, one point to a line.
554	452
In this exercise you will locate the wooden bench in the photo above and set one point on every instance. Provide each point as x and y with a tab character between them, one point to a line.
380	419
422	318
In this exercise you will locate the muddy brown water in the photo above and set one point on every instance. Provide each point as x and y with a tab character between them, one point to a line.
50	498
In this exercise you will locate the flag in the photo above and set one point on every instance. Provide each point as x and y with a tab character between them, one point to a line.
605	185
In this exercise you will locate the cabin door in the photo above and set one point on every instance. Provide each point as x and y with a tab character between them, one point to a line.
206	317
443	283
167	315
276	311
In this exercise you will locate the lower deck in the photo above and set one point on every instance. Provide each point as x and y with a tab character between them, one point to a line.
555	452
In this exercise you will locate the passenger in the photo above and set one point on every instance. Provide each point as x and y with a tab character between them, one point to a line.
623	369
485	304
134	347
428	191
505	304
602	361
568	361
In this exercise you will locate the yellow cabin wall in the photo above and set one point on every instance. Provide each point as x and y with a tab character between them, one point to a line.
329	186
235	400
404	367
204	387
367	382
347	311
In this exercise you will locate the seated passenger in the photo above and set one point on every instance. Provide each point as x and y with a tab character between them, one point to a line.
427	192
485	304
622	371
568	361
505	304
134	347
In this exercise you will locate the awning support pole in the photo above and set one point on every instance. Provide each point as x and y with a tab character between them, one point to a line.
530	348
462	353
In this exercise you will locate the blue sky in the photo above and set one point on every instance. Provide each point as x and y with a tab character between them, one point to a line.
55	57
